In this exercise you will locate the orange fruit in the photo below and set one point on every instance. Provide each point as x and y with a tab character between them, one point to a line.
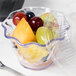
23	32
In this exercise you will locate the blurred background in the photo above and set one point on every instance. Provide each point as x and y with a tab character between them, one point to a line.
66	6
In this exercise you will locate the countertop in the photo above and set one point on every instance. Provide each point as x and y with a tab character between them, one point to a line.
7	53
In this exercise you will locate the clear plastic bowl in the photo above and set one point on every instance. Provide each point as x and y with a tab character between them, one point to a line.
52	46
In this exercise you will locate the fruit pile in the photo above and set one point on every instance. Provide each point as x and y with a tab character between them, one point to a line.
30	28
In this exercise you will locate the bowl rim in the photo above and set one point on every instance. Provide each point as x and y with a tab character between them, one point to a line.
42	45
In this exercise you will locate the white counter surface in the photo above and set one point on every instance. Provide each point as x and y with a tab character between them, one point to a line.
9	58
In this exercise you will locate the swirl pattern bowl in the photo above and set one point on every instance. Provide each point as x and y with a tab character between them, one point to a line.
52	46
